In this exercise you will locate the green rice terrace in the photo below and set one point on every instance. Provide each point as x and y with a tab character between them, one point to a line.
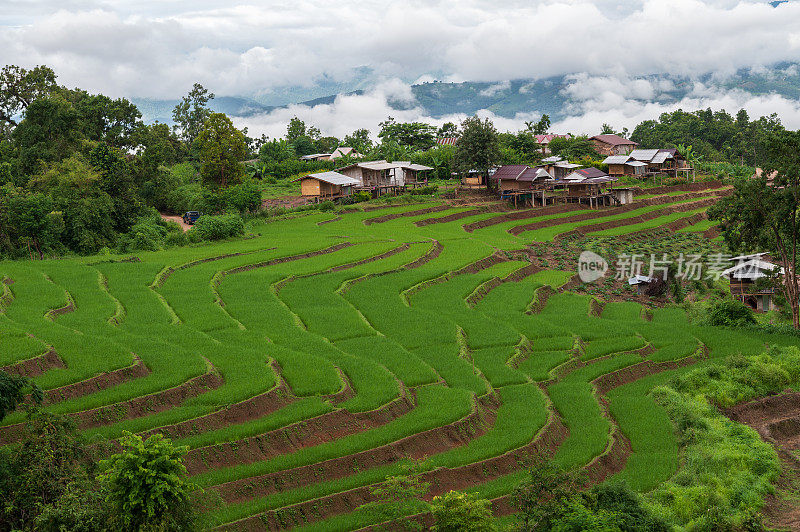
325	351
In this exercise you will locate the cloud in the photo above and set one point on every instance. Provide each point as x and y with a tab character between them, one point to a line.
158	49
492	90
350	112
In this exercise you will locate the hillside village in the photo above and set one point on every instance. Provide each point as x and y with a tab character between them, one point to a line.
408	327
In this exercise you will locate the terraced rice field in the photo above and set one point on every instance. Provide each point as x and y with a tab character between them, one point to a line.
306	363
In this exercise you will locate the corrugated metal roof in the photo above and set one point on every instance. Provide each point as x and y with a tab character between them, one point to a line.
552	159
643	155
447	141
639	279
334	178
636	163
533	174
616	159
509	171
752	269
661	157
567	165
417	167
378	165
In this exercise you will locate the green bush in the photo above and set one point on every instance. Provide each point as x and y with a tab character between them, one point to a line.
425	191
727	466
326	206
184	198
149	233
209	227
730	313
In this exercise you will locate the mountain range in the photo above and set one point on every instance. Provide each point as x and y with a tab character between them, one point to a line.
553	95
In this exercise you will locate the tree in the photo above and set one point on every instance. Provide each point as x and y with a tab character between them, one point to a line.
192	112
46	462
13	391
359	140
447	130
462	512
50	132
541	127
765	216
105	120
573	148
221	149
413	135
20	87
478	148
32	218
147	486
542	497
295	129
275	151
399	496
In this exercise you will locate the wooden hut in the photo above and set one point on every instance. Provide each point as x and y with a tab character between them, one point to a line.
590	186
620	165
743	276
612	145
326	185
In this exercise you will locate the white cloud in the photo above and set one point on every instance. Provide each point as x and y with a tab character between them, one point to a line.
492	90
158	49
348	113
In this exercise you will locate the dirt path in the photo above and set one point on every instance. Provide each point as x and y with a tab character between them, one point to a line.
178	220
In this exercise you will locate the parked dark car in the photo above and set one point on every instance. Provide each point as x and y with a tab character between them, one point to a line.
190	217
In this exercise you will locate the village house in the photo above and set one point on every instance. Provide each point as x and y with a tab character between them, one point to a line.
558	167
341	151
383	177
590	186
621	165
326	185
544	141
522	184
612	145
744	277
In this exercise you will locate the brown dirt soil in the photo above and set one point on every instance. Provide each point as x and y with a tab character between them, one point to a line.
520	215
661	200
177	219
323	222
442	480
284	202
705	185
396	215
253	408
132	408
416	446
432	253
596	307
465	214
541	295
98	382
36	366
289	258
291	438
60	311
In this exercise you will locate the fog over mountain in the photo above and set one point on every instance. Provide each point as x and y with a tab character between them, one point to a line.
584	62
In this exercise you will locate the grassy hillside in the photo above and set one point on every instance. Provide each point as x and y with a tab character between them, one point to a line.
308	361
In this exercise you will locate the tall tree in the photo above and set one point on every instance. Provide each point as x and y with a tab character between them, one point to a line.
359	140
13	391
462	512
541	127
192	112
763	213
222	148
478	149
147	485
413	135
20	87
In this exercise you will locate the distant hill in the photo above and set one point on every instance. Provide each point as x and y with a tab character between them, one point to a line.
502	98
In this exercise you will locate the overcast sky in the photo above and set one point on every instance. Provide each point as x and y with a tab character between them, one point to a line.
158	48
